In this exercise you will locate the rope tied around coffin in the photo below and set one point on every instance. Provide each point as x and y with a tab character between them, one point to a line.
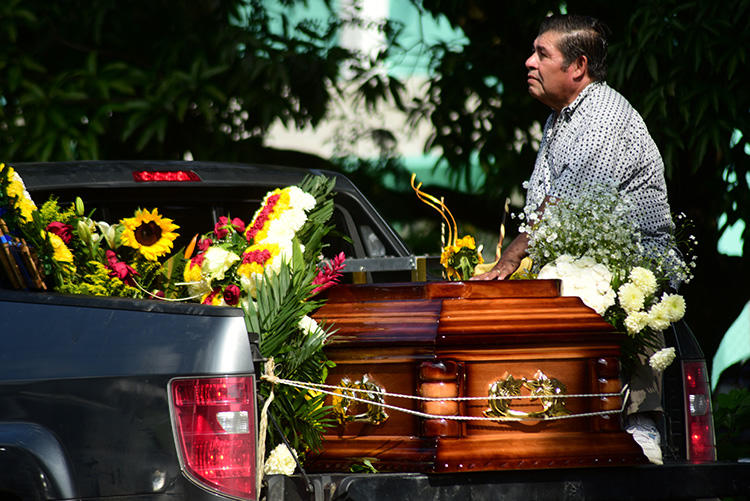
327	389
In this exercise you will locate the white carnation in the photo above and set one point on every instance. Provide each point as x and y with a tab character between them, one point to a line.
636	321
280	461
300	199
662	358
658	317
631	297
644	279
674	306
217	261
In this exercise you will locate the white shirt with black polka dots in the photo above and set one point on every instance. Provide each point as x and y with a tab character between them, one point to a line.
599	139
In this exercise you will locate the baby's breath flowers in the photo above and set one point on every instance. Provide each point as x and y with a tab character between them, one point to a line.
595	248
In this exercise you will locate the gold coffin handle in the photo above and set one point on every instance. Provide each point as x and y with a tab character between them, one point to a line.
342	402
549	391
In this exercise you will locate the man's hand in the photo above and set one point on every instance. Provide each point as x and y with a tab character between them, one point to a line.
509	261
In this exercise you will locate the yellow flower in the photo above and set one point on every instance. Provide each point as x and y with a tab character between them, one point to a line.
17	190
467	241
60	251
150	233
192	272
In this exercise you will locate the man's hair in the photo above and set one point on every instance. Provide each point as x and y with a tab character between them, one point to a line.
581	36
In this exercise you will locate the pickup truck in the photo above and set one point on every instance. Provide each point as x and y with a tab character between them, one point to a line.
98	394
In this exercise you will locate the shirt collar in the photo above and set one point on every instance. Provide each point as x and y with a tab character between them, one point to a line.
568	111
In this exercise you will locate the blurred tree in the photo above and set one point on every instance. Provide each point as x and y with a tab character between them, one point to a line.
156	79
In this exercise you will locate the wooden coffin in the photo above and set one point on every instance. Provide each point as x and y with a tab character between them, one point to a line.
457	339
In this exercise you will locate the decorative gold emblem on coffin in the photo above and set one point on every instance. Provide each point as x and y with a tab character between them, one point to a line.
550	392
343	404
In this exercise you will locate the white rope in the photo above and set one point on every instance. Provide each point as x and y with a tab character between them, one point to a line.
275	379
167	298
316	387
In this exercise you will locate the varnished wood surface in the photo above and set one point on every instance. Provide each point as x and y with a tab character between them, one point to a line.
456	339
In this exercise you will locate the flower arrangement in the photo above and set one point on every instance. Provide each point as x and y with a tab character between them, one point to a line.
270	267
592	246
460	256
79	255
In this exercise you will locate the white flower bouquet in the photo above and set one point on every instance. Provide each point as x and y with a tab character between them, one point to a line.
592	246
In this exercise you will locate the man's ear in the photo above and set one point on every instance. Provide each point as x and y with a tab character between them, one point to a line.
580	67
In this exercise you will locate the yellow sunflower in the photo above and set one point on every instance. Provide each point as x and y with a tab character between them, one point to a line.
150	233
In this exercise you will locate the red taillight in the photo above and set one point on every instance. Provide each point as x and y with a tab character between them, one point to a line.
701	444
214	421
147	176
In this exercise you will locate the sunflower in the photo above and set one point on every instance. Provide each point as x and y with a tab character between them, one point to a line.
150	233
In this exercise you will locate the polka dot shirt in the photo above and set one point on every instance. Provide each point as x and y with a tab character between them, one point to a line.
599	139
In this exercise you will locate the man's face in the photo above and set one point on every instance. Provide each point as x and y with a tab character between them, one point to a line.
548	81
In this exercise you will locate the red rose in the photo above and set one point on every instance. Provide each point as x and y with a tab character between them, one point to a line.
62	230
239	225
204	244
121	270
231	295
220	229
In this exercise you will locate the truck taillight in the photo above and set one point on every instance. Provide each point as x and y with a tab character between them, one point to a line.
214	422
147	176
701	445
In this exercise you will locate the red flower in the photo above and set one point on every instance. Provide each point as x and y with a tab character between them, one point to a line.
259	256
261	218
198	259
121	270
211	296
204	244
62	230
221	228
231	295
238	224
329	273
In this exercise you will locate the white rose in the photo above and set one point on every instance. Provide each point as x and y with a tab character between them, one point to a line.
583	278
309	326
217	261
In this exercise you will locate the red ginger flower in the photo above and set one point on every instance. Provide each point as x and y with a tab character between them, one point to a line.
329	273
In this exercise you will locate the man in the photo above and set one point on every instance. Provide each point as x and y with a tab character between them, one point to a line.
593	137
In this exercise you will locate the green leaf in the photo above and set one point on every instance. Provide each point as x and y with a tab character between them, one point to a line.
652	66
